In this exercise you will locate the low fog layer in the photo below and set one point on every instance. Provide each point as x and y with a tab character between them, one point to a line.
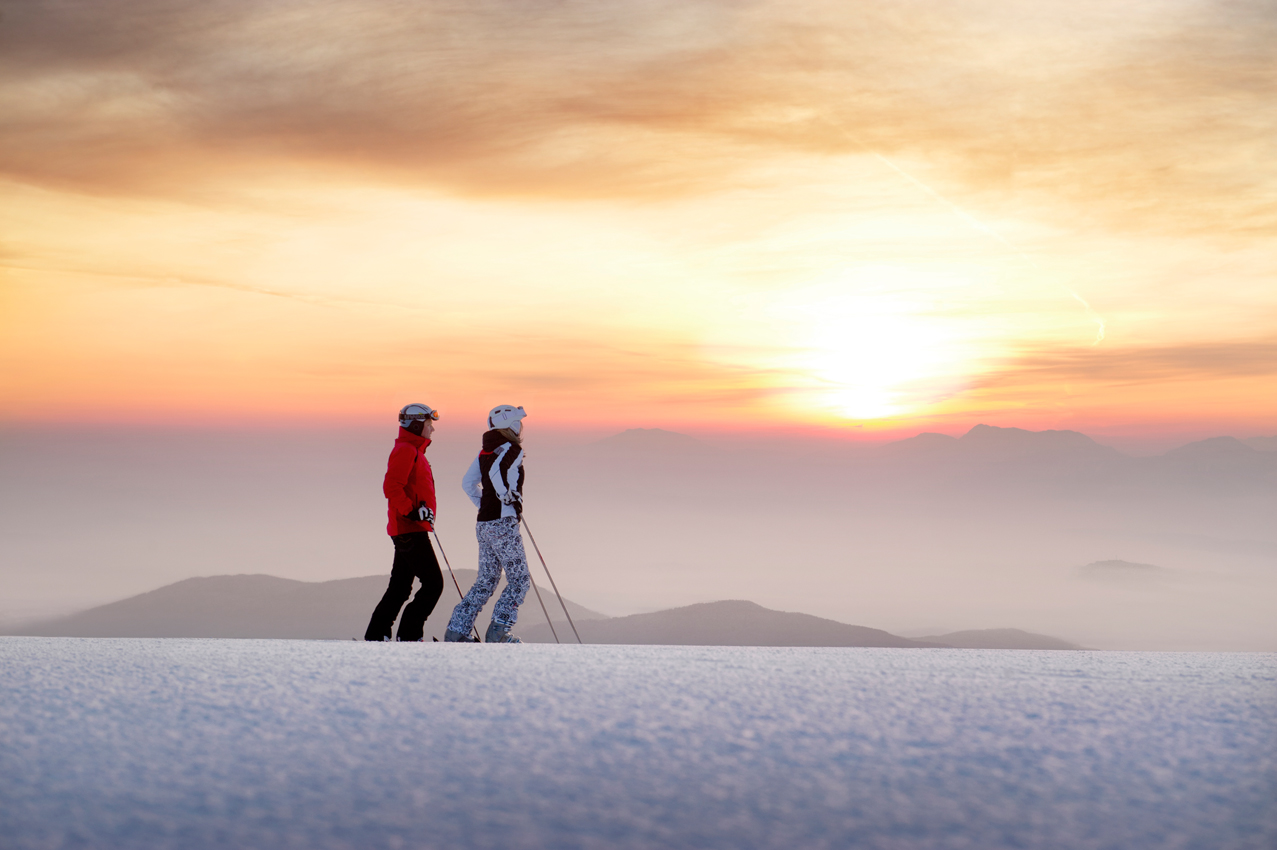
1047	531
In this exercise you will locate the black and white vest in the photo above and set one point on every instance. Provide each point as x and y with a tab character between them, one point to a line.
497	470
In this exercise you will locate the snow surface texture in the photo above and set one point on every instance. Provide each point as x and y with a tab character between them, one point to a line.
158	743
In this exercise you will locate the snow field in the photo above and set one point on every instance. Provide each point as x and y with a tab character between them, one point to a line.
293	744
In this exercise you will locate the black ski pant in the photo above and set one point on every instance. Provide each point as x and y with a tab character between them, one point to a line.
414	557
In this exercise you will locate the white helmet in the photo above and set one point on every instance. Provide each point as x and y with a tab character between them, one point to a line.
505	416
416	413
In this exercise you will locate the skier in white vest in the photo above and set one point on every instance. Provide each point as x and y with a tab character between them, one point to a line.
494	482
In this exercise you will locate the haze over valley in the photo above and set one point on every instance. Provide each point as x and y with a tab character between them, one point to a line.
1049	532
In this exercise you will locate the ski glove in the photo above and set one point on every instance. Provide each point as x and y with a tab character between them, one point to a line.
509	497
423	513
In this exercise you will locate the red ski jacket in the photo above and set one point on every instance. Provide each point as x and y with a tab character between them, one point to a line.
409	480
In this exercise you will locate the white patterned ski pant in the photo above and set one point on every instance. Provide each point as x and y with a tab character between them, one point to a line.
500	548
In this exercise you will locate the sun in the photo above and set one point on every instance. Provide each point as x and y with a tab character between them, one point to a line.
870	343
872	357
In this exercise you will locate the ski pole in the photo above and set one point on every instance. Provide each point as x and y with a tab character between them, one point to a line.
552	583
543	609
454	575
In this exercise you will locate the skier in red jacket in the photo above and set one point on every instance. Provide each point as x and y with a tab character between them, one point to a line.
410	491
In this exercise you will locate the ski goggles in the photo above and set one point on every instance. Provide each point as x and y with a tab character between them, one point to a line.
419	416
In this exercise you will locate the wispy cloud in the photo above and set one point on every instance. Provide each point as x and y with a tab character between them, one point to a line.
1156	115
1133	365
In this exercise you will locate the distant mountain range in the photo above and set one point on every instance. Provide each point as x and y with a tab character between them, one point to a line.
991	444
263	606
986	457
739	623
998	639
727	623
987	442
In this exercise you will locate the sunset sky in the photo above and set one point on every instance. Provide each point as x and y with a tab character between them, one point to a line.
868	218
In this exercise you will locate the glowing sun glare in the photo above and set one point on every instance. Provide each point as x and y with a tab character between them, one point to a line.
873	362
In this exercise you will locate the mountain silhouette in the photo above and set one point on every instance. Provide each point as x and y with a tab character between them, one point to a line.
1214	447
1124	571
727	623
739	623
1262	444
1221	464
999	639
264	606
992	441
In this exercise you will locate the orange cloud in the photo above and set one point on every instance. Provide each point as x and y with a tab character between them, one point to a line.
237	209
1145	116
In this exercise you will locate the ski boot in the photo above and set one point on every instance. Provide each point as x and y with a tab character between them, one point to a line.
499	632
449	636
